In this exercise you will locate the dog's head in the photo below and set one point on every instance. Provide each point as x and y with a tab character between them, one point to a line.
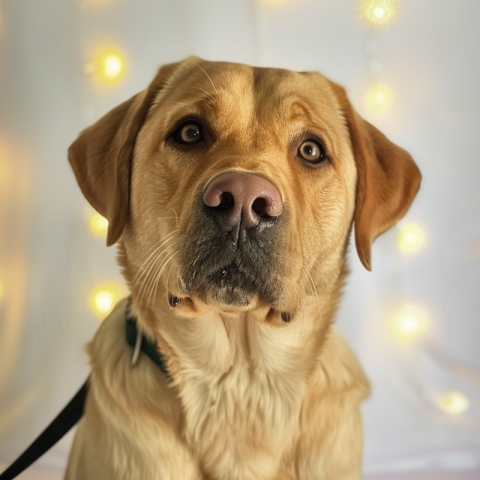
236	187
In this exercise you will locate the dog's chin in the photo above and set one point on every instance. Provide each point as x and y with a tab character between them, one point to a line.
228	287
230	296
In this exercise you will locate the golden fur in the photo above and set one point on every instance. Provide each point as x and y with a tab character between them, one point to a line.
250	396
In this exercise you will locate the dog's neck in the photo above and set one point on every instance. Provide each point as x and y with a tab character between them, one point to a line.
218	342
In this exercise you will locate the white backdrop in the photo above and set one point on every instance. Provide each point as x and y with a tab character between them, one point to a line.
49	261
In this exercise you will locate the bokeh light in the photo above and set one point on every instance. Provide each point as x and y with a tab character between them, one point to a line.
409	322
378	12
379	98
5	180
107	66
103	299
1	290
454	403
411	238
98	224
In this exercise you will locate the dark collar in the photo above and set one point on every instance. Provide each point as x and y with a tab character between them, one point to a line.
148	347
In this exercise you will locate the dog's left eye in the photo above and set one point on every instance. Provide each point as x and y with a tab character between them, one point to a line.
311	151
187	133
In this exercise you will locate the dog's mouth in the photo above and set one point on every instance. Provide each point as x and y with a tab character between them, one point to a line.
236	283
232	285
218	270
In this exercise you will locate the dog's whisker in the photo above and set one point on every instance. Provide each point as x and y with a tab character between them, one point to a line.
154	283
178	282
209	95
150	254
154	247
163	269
153	286
149	279
208	76
144	266
146	272
168	276
155	275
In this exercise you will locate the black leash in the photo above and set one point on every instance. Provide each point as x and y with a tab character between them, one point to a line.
64	421
72	413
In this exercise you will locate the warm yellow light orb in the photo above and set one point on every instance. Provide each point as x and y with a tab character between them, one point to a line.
411	238
113	66
454	403
1	291
98	225
107	66
409	322
378	12
104	298
379	98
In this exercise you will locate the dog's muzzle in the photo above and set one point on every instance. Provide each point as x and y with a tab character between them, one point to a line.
233	251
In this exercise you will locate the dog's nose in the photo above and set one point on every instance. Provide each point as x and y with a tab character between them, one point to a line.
243	198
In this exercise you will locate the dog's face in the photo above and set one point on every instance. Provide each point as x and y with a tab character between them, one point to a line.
250	173
236	187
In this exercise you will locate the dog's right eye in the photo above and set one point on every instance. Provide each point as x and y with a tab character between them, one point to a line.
189	132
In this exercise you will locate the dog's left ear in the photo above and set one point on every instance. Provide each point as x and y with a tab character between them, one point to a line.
101	156
388	179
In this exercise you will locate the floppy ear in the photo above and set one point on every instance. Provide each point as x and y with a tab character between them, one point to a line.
102	154
388	179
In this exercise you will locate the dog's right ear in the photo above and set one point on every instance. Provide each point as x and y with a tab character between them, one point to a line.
101	156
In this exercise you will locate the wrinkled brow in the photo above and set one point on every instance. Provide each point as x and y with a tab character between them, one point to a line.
194	97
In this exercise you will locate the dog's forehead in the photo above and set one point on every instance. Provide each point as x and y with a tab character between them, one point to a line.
237	90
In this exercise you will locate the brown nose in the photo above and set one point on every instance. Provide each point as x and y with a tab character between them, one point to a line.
242	198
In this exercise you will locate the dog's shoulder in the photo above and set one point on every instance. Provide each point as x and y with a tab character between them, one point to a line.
116	382
109	343
338	368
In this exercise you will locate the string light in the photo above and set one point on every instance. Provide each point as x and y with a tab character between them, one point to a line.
98	224
409	322
411	238
378	12
454	403
379	98
103	299
107	66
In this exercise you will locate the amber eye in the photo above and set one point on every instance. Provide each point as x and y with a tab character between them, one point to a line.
190	132
311	151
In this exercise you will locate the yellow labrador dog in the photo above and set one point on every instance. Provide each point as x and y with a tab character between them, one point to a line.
231	192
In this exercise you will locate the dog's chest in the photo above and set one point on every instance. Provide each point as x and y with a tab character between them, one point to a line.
241	408
240	424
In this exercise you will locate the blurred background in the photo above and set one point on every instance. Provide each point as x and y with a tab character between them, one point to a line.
411	68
